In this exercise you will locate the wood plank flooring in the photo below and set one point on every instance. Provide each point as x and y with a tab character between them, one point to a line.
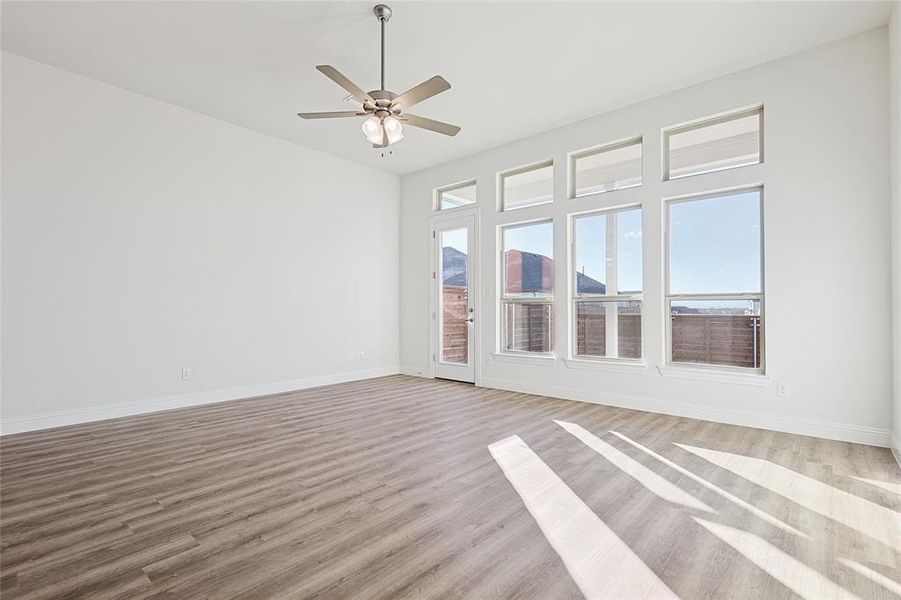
401	487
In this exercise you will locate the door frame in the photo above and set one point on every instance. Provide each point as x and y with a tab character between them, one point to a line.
468	216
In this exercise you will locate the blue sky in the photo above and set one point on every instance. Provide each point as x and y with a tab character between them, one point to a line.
455	238
715	245
591	248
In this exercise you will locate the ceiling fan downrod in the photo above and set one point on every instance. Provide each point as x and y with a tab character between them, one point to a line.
383	12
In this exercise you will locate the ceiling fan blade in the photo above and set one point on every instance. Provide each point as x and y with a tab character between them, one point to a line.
423	91
333	74
331	115
430	124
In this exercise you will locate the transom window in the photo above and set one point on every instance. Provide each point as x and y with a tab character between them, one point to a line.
454	196
527	186
714	145
715	294
527	301
607	284
612	167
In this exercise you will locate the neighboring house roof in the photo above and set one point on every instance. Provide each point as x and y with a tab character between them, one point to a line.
587	285
535	269
458	279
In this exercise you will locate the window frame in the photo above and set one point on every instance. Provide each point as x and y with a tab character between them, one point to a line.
504	300
668	132
503	175
637	140
669	297
449	188
575	298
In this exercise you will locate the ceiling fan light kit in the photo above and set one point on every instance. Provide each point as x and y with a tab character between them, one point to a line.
383	108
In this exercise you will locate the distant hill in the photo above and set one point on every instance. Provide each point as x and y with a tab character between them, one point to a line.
454	267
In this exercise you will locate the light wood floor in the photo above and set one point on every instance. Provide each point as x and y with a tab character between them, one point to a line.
402	487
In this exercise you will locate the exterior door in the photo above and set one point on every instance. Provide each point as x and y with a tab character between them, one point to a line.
455	318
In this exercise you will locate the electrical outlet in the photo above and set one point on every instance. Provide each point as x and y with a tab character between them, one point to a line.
362	356
782	390
186	373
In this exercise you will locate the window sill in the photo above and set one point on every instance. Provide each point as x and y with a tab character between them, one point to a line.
714	375
524	358
633	367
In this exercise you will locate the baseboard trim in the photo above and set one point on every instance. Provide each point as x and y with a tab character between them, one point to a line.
896	447
871	436
124	409
414	371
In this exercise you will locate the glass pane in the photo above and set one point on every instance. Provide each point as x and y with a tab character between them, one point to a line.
628	252
528	260
607	170
455	296
535	186
716	332
715	245
621	340
608	253
725	145
458	196
528	327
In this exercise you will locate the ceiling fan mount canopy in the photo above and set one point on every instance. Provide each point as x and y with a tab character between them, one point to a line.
384	108
382	11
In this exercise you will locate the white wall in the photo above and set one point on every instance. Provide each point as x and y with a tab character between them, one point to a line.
895	170
139	238
827	247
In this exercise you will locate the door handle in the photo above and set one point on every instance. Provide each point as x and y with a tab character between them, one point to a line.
470	320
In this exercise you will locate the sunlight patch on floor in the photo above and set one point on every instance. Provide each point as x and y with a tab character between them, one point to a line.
852	511
764	516
654	483
786	569
600	563
874	576
888	486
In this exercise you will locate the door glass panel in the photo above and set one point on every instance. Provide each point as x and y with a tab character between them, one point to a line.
455	296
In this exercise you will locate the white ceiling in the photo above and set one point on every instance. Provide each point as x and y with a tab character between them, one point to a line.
516	68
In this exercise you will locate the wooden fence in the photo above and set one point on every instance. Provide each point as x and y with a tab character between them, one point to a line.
732	340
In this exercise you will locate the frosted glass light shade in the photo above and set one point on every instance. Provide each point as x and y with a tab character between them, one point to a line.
393	129
372	129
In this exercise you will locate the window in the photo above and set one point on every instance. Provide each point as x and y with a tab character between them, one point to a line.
527	186
462	194
714	145
715	280
527	300
613	167
607	284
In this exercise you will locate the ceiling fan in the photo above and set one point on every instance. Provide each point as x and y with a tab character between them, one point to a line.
385	109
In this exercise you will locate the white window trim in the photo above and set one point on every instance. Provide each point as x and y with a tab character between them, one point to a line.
697	370
501	176
524	358
707	122
575	299
436	202
714	375
606	147
633	366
